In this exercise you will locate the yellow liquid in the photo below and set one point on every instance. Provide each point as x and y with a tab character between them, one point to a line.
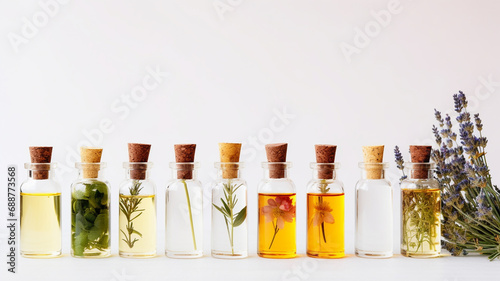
324	238
40	225
421	226
275	242
145	223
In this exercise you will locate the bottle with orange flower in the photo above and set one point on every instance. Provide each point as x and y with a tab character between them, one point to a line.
276	206
325	207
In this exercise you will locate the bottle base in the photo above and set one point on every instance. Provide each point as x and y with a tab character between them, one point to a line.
229	255
420	255
184	255
321	255
137	255
374	254
93	255
274	255
41	255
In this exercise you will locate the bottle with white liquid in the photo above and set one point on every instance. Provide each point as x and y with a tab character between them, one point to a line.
374	215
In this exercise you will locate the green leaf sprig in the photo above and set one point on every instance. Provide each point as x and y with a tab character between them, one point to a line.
129	206
233	219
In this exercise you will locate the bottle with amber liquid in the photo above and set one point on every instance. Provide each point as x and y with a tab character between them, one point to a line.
40	228
420	207
325	207
137	221
276	192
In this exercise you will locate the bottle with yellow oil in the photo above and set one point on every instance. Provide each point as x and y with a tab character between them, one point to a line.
276	230
137	221
420	206
325	207
40	228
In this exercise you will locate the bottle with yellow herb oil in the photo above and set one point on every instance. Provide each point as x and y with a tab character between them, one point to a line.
325	207
420	205
90	206
276	202
40	221
137	220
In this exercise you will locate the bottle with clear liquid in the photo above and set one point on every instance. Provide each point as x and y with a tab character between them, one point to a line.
420	212
40	223
229	211
184	212
374	216
137	221
90	212
325	212
277	229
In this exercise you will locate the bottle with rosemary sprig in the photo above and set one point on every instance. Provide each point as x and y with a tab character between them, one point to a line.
184	206
420	205
325	207
229	206
137	221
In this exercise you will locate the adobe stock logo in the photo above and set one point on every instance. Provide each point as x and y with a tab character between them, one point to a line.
363	37
31	26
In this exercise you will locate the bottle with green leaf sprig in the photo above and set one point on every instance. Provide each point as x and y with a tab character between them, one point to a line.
90	207
137	204
184	206
229	206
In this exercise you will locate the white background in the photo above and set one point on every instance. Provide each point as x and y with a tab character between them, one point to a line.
229	72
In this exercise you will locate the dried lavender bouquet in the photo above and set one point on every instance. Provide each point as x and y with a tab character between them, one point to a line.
471	203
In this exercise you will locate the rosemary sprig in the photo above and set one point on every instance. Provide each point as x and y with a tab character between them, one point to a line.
233	219
190	213
129	206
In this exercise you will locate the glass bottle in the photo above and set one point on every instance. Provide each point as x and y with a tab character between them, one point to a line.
90	221
374	216
325	212
229	211
137	221
276	212
40	223
420	212
184	212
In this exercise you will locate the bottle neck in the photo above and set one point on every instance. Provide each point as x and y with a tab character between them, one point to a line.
40	171
420	170
137	170
373	171
325	171
90	170
276	170
184	170
228	170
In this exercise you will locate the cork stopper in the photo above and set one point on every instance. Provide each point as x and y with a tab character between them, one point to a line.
325	153
229	152
276	152
420	154
184	153
373	154
41	154
90	155
138	153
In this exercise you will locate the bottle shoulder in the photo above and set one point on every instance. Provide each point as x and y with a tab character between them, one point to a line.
140	187
430	183
364	184
40	186
325	186
283	185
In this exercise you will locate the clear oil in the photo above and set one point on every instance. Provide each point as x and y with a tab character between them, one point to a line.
143	220
40	225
